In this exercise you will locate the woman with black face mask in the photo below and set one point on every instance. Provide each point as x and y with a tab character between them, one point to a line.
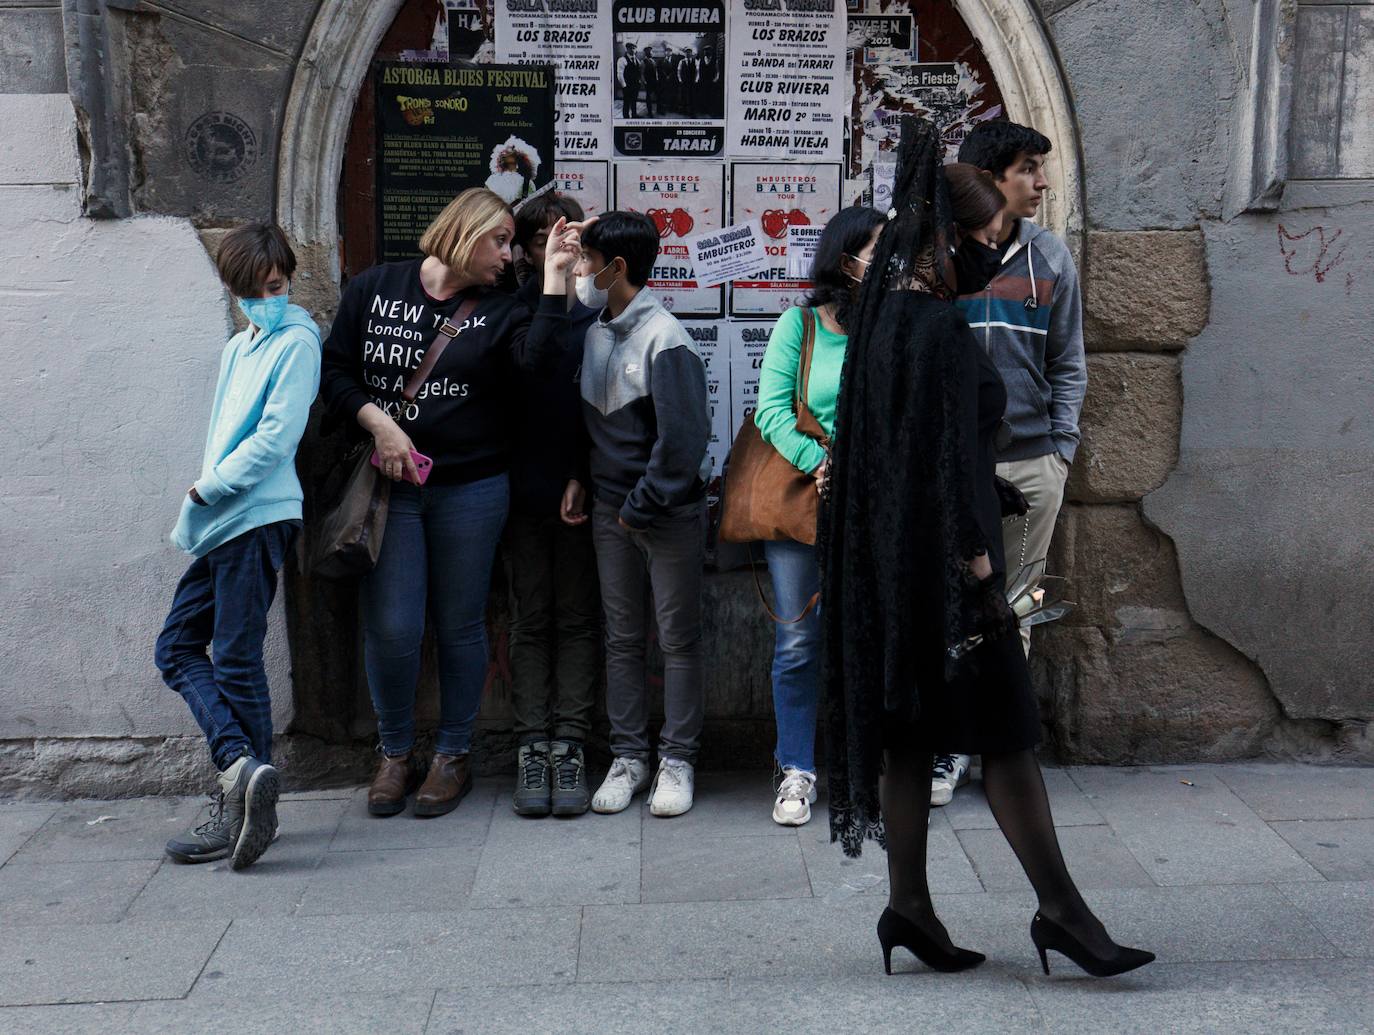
977	205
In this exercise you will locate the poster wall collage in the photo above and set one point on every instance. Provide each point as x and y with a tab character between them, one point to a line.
738	126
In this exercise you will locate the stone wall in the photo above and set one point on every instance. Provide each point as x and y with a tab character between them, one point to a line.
1214	533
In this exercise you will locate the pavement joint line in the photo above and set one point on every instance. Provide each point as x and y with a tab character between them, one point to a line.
429	1014
1279	887
124	913
577	963
208	957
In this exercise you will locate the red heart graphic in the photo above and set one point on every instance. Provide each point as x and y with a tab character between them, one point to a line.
682	222
774	223
663	220
798	218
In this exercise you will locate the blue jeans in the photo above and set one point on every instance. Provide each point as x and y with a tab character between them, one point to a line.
796	651
437	552
223	599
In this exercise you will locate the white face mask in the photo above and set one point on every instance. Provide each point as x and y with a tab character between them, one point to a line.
856	280
589	294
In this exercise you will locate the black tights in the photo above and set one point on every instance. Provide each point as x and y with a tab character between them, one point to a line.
1016	795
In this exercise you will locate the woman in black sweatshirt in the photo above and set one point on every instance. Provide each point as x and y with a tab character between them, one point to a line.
440	537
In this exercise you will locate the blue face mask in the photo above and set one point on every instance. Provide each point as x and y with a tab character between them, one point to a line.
264	313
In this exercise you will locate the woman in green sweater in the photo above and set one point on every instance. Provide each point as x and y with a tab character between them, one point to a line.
842	256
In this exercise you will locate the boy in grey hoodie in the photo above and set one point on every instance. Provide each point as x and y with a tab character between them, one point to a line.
1029	318
647	417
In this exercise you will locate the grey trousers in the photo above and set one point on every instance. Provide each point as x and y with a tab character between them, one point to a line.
667	560
1027	539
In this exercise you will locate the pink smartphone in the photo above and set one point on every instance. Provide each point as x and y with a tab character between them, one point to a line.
423	464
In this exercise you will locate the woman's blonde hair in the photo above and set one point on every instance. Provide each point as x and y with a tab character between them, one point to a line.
465	220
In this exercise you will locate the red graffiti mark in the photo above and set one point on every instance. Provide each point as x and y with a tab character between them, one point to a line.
1310	251
1349	284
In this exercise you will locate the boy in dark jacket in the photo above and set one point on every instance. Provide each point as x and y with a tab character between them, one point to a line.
550	565
645	406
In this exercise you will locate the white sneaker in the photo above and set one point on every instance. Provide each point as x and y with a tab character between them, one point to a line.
628	776
949	772
672	793
796	795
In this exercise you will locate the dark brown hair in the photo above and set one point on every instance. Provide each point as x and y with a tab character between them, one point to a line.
973	195
247	255
541	213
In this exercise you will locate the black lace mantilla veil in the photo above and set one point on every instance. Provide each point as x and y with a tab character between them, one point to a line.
897	524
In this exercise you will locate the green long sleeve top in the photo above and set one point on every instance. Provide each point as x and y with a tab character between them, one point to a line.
777	383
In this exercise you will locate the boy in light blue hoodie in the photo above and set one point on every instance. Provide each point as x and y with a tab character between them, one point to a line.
238	521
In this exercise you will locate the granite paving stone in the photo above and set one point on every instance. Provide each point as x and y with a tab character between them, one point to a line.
1343	911
272	887
18	823
1240	922
307	1014
913	1003
81	963
325	794
397	880
1294	791
465	826
106	1018
1070	807
1095	856
1294	995
834	876
1340	849
724	805
110	831
909	1003
783	937
551	860
84	892
665	1007
486	921
1185	826
338	955
1252	922
724	868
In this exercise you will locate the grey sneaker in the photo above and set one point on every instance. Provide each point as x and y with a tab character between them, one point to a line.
243	818
571	796
532	779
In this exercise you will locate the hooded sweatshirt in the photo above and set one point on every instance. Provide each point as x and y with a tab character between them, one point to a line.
1030	320
262	401
646	410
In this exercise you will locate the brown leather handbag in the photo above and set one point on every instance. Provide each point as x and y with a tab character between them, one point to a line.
348	540
764	496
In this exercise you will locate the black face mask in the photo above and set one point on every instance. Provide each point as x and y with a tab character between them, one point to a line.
975	264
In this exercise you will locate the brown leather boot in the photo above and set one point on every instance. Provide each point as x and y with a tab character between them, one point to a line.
387	795
449	779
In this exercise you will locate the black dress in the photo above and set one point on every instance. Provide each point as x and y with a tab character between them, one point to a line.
989	706
912	498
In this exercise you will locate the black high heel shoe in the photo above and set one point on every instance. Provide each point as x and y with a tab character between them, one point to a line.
1049	935
895	929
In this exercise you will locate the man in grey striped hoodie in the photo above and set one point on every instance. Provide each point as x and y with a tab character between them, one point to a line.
1029	318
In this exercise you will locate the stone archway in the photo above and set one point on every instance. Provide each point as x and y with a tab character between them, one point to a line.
346	34
330	703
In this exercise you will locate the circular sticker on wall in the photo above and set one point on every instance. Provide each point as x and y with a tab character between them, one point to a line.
221	147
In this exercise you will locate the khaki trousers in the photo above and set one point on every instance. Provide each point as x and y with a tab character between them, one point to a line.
1027	539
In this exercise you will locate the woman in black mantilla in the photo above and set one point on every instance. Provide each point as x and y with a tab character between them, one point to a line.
912	566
